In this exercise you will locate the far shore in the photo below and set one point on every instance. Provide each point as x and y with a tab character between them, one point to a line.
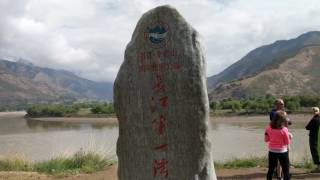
13	113
229	119
258	118
113	119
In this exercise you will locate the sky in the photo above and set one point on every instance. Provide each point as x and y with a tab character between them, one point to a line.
88	37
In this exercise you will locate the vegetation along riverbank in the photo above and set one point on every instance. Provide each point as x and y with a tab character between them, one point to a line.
263	105
85	109
94	166
224	107
80	162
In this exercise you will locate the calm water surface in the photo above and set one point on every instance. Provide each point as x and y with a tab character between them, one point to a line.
233	137
238	137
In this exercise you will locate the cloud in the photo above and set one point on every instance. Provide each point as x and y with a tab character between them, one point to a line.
89	37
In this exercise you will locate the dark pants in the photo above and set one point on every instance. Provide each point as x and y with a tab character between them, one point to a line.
314	151
284	162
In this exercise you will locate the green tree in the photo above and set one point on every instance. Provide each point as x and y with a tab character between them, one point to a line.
292	103
309	100
215	105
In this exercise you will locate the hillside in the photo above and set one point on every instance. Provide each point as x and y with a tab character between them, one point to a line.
298	75
264	58
26	83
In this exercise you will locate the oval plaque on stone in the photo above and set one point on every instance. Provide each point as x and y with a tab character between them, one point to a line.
161	102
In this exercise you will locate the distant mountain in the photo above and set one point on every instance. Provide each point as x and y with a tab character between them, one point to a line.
264	57
286	67
22	82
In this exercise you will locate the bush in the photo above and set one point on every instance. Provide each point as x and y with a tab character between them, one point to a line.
292	103
53	110
215	105
309	101
103	108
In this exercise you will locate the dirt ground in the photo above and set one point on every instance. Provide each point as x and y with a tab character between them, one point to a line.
110	173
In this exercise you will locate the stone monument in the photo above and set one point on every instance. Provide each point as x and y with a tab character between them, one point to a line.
161	102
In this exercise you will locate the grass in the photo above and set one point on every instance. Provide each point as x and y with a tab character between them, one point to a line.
81	162
14	164
242	163
89	162
258	162
306	164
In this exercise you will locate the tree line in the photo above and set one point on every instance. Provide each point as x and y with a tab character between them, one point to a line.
259	105
264	104
61	110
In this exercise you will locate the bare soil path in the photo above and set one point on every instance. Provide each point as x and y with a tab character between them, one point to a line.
110	173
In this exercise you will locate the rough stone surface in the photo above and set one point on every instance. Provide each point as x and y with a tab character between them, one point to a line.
161	101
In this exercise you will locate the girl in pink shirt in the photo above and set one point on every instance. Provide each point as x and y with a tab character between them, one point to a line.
277	137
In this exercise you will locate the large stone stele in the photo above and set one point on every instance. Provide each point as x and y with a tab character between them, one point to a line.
161	102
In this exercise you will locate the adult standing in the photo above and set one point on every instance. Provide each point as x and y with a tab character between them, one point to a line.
313	127
278	105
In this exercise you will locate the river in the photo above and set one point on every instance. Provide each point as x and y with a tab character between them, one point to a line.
232	137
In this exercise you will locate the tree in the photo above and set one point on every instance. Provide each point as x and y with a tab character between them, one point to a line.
236	105
215	105
292	103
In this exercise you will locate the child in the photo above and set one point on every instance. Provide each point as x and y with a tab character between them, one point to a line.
278	170
277	137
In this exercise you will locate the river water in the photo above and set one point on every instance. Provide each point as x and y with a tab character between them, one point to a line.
232	137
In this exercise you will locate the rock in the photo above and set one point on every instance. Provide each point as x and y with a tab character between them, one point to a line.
161	102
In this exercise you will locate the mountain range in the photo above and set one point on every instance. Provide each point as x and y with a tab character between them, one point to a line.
283	68
22	82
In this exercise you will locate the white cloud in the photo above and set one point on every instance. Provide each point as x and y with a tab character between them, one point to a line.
29	26
88	37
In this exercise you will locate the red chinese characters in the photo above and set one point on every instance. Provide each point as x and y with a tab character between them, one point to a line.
159	86
148	61
162	67
164	101
159	125
147	55
160	103
161	146
160	168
